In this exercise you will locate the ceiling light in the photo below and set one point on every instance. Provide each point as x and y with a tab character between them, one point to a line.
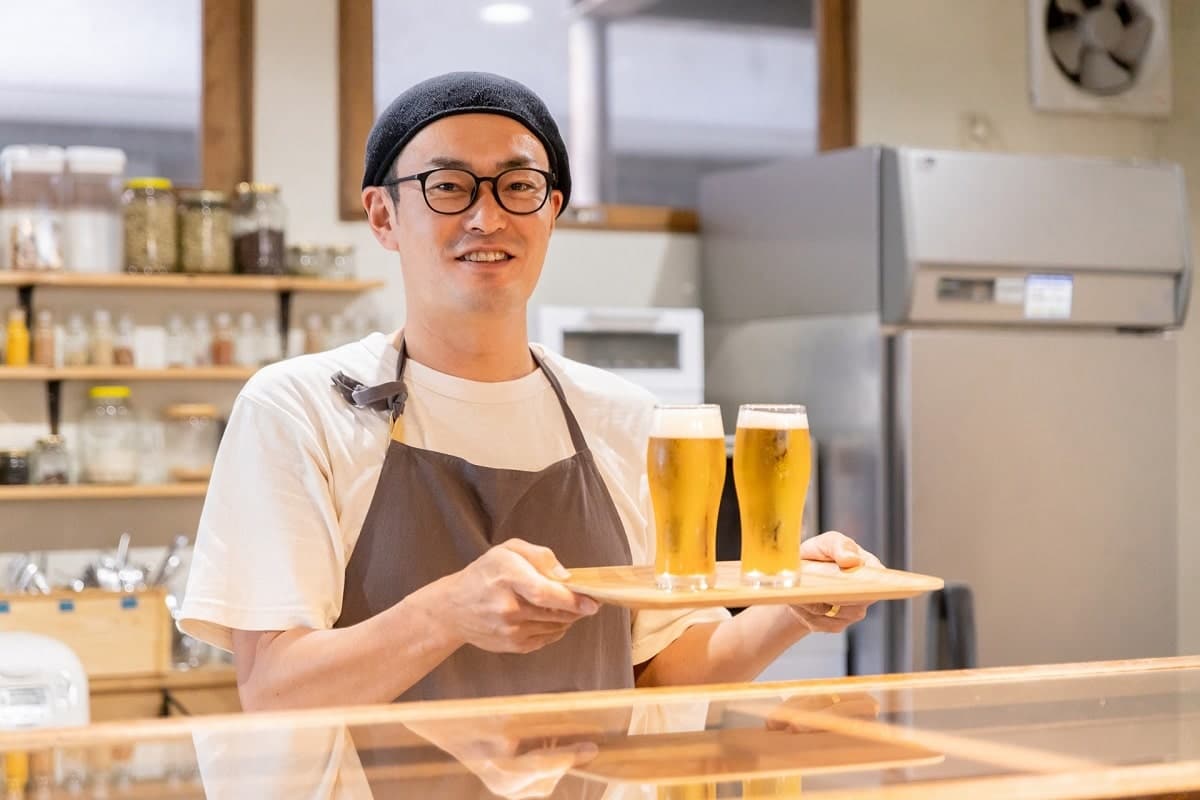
505	13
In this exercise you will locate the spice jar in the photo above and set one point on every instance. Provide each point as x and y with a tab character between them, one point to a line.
94	225
205	232
43	340
223	341
16	351
150	225
179	350
305	259
51	461
123	342
109	438
31	206
192	433
76	347
102	343
339	262
14	467
258	222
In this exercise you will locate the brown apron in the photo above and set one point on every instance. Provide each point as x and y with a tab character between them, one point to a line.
433	513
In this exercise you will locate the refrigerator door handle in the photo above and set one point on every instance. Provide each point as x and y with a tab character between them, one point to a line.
950	637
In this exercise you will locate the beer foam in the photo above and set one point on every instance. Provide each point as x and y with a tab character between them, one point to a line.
770	420
688	423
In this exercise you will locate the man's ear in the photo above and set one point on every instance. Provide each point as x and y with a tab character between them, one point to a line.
377	202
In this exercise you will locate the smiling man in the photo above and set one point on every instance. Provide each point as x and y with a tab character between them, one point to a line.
392	520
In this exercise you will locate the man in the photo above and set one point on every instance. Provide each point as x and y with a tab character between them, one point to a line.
391	519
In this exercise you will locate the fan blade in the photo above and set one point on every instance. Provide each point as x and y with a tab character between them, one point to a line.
1134	41
1067	47
1100	73
1070	6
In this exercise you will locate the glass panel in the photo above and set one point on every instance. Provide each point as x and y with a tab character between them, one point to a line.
124	73
623	349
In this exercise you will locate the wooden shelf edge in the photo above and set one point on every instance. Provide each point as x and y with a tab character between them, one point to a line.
649	219
94	492
249	283
125	374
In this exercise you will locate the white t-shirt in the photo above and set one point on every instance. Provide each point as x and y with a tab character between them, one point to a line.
298	465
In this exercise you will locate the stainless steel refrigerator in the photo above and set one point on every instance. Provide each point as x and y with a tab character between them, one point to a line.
984	344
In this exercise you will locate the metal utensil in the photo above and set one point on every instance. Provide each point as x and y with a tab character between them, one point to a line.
171	561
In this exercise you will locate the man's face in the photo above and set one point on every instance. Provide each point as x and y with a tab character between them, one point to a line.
436	250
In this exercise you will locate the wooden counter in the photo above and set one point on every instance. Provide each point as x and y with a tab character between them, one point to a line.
1104	730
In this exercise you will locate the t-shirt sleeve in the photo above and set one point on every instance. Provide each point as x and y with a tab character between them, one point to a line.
268	553
654	629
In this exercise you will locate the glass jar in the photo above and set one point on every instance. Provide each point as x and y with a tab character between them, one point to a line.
31	206
102	342
43	337
109	438
51	461
179	350
76	345
14	467
258	222
94	236
150	225
339	262
305	259
192	434
205	232
222	341
123	343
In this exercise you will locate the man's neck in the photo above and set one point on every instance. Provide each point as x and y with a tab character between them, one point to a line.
486	351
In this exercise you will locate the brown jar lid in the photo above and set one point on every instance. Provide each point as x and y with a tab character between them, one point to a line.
189	410
257	188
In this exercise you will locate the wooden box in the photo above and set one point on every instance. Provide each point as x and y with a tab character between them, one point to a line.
113	634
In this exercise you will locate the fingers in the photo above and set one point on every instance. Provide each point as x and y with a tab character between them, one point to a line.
524	579
536	613
542	558
816	617
838	548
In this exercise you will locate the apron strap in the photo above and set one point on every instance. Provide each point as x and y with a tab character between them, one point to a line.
391	396
572	423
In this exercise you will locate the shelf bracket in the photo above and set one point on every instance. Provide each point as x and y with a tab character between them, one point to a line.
285	319
53	403
25	299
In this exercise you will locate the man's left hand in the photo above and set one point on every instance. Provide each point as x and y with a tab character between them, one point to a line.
841	550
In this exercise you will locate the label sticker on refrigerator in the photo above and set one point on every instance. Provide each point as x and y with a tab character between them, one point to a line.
1048	297
1010	291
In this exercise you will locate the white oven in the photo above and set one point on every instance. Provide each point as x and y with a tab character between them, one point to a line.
661	349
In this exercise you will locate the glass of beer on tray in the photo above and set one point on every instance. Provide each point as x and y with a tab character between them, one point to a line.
685	462
772	463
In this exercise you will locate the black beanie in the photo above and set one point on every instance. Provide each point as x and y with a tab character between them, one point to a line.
462	93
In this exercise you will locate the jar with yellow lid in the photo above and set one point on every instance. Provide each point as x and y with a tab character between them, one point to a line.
259	217
205	232
109	437
192	432
150	237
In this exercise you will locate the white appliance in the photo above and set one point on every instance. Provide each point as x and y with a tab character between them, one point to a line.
42	683
1100	56
660	349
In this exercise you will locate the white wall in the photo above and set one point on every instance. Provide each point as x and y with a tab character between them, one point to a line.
944	84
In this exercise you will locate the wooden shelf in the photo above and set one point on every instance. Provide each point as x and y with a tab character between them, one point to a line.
125	374
244	283
90	492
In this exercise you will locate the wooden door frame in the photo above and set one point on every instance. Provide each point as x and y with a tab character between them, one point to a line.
227	93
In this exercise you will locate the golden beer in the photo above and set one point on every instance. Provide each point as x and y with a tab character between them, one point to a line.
772	464
685	464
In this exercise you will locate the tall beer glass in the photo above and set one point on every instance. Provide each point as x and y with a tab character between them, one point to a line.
772	463
685	462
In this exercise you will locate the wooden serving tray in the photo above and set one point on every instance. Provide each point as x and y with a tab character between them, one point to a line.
820	582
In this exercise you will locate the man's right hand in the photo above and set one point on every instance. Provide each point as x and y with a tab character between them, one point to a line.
512	600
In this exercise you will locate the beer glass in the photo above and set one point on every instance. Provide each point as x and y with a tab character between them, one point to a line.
772	462
685	463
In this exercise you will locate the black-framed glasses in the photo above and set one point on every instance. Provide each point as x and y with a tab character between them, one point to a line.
522	190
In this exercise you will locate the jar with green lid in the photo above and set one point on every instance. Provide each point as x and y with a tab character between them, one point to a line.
150	241
109	437
205	232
